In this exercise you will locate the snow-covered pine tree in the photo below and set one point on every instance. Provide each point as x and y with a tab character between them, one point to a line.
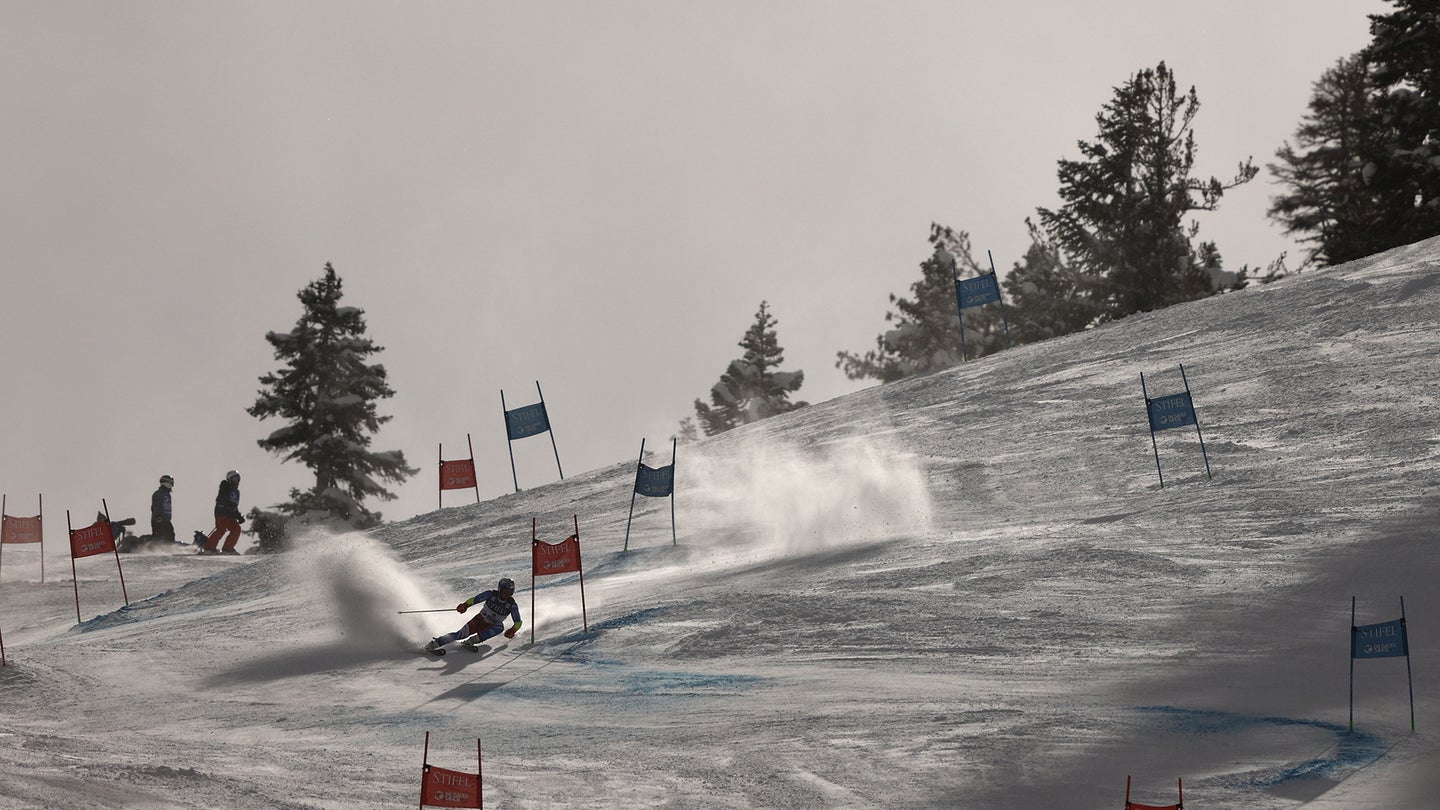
751	388
1048	297
327	390
1404	50
1126	199
1330	201
926	335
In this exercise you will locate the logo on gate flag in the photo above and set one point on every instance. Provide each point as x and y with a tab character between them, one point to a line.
530	420
977	291
556	558
1383	640
446	788
19	530
97	538
459	474
655	483
1172	411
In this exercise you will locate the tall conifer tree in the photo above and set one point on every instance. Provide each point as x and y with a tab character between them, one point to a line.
752	388
1330	200
1048	297
327	390
1405	52
1122	220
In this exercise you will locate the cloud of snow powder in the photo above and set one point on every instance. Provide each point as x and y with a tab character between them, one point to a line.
781	499
360	586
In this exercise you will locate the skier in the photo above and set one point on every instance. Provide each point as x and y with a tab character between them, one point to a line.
161	527
495	605
227	516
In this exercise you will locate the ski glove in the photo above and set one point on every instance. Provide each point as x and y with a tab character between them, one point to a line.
462	607
512	631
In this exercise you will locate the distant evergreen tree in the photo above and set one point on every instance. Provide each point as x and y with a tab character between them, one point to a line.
926	335
1125	201
1404	51
1330	200
688	432
751	388
327	391
1047	296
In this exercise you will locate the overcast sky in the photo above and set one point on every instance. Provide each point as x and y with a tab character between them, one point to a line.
593	195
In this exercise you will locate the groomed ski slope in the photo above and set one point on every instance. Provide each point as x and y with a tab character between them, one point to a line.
960	591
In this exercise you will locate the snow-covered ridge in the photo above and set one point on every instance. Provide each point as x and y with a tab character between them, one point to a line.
963	590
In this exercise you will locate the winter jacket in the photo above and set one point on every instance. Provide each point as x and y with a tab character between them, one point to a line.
494	607
160	505
227	501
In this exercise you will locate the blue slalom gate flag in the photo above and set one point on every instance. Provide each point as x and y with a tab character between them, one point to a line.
1172	411
977	291
530	420
655	483
526	421
1383	640
1380	640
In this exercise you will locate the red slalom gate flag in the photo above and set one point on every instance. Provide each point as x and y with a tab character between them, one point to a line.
97	538
556	558
446	788
20	530
457	474
442	787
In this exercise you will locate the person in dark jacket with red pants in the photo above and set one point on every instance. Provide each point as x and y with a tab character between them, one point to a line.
227	516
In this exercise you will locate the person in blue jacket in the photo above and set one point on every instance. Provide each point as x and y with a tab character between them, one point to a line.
495	605
161	527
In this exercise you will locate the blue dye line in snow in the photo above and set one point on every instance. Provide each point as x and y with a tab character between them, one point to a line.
1351	751
686	684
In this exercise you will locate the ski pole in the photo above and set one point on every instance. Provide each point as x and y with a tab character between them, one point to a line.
435	610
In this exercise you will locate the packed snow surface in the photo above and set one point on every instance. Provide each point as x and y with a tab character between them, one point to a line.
966	590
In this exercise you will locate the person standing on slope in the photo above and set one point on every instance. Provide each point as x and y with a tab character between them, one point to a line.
227	516
495	605
161	527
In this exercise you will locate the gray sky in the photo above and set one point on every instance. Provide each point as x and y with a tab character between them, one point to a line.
594	195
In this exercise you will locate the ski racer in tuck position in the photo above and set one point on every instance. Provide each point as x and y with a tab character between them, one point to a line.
495	605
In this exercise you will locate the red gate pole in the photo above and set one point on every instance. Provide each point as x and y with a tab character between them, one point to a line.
74	577
473	474
580	558
479	777
424	763
42	538
440	479
2	543
532	581
116	548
